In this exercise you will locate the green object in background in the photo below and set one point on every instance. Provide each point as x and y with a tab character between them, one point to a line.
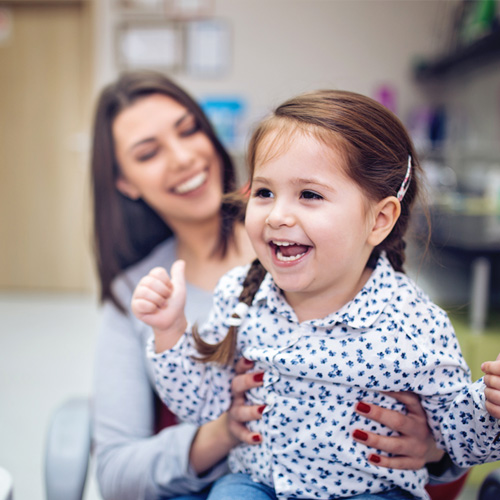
479	20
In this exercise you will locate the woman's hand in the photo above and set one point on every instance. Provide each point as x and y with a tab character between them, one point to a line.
216	439
240	413
413	448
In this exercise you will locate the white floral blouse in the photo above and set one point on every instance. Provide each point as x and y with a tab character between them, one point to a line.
391	337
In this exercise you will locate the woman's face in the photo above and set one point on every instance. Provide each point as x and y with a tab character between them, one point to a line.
167	160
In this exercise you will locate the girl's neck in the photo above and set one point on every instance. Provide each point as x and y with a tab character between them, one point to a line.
317	306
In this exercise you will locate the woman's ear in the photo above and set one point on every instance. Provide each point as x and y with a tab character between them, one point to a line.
127	188
386	213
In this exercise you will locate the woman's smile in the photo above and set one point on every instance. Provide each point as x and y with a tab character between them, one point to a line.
192	184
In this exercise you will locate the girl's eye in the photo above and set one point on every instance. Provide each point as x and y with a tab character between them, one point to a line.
263	193
311	195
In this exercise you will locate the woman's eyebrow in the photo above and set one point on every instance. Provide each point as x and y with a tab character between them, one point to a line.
152	139
186	115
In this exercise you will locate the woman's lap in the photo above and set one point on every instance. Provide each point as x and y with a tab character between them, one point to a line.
241	487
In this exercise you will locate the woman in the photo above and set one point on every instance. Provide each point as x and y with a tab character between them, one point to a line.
159	175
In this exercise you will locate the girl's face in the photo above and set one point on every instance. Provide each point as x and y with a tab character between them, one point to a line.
309	223
167	160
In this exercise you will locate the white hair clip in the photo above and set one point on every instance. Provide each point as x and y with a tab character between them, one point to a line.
240	311
406	181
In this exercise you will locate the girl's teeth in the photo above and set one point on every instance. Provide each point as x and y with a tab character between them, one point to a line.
191	184
284	258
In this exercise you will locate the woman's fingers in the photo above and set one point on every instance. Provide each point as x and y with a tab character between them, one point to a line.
393	419
403	463
240	412
407	453
413	446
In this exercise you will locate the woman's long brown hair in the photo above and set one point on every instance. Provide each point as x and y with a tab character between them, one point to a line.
125	230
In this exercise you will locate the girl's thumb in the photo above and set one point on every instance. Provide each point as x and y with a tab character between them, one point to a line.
177	275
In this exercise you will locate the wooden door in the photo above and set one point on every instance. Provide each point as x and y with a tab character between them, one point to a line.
44	115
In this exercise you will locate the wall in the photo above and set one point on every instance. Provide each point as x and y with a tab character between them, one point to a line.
283	47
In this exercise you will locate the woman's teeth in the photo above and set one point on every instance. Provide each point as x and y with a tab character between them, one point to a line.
289	252
191	184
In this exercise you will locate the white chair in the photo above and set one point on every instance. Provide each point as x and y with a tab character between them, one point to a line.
67	450
6	485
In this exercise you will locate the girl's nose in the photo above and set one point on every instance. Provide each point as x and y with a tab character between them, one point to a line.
280	216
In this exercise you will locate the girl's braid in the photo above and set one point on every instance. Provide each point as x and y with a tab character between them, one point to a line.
224	351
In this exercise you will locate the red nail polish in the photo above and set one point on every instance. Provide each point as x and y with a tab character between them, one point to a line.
374	458
261	409
247	361
256	438
363	407
259	377
361	435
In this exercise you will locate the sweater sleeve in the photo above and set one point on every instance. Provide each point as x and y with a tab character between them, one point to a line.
131	461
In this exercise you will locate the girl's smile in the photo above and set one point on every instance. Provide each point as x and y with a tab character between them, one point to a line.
285	251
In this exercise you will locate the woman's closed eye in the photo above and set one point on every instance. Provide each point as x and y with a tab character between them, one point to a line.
147	155
311	195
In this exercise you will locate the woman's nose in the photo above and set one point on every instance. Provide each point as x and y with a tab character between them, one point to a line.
180	157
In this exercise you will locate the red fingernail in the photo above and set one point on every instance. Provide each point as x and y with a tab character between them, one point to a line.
362	436
374	458
247	361
256	438
259	377
261	409
363	407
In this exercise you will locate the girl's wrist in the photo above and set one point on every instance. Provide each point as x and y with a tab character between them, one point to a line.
165	339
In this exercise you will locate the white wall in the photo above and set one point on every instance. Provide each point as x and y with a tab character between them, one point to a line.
283	47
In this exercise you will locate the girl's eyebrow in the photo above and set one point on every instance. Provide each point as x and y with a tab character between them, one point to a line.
296	180
179	122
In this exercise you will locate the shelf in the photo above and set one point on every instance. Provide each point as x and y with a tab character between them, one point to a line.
483	51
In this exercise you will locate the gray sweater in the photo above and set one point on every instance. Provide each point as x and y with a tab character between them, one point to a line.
132	463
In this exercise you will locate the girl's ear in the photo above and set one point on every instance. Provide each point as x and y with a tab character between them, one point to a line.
386	214
127	188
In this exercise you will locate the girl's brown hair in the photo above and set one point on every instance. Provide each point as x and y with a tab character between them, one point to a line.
375	146
126	230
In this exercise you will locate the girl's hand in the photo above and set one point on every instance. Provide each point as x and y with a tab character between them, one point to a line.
491	370
413	448
239	413
159	301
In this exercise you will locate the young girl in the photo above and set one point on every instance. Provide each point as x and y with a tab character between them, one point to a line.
326	311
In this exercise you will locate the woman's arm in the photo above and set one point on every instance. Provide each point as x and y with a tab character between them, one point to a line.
131	461
215	439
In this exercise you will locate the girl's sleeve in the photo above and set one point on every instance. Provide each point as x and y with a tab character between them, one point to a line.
131	461
455	406
196	392
466	430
